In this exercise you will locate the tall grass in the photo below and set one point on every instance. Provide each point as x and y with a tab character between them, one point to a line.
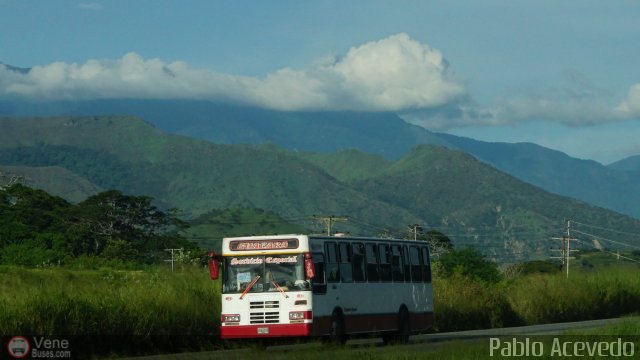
583	296
156	308
463	303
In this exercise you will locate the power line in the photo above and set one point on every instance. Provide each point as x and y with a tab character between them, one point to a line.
284	221
607	229
367	225
328	221
605	239
611	252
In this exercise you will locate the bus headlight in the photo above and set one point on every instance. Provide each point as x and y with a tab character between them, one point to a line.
235	318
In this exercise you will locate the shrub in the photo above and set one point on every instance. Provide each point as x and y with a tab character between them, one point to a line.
120	250
469	262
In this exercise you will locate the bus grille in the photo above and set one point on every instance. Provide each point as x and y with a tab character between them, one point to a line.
269	317
264	317
264	305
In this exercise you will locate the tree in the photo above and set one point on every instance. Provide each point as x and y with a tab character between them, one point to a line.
37	228
471	263
439	243
120	250
25	212
111	215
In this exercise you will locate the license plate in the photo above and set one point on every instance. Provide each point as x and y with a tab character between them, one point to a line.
263	330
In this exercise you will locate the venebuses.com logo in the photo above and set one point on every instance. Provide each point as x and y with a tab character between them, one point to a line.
38	347
18	347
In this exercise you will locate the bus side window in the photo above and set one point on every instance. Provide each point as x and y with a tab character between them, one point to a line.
332	267
372	262
396	263
416	264
318	268
345	262
407	266
318	283
385	262
357	260
426	274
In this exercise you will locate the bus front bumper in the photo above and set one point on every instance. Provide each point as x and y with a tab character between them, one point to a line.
264	330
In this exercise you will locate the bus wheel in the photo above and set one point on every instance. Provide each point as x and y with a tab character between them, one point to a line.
337	335
401	335
404	329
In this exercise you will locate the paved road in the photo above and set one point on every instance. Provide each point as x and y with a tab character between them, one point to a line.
545	329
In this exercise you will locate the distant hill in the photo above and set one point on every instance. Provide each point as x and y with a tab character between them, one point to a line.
554	171
193	175
383	134
631	164
54	180
476	204
348	165
209	228
376	133
443	188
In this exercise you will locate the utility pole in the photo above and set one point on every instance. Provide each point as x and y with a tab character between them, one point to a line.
173	260
565	249
328	221
415	229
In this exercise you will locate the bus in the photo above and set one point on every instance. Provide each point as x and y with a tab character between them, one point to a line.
331	287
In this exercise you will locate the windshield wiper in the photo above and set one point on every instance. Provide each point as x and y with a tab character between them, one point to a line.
255	280
279	288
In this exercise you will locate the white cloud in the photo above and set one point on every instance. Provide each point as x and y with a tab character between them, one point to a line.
574	110
631	105
397	73
394	74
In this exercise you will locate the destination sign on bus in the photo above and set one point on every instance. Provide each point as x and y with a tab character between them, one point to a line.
256	245
260	260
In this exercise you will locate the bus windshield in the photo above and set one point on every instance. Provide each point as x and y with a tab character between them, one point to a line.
263	273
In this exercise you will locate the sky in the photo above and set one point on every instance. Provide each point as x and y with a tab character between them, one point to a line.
562	74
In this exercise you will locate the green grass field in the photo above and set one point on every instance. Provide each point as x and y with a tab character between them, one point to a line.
536	299
156	308
160	311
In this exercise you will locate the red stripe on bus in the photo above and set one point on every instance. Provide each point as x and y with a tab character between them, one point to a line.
266	330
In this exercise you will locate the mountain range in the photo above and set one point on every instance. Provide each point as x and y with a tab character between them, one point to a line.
613	187
433	185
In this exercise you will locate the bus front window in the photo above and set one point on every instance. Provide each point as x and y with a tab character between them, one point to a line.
271	271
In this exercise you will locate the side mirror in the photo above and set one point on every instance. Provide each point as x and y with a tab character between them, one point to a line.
214	266
308	266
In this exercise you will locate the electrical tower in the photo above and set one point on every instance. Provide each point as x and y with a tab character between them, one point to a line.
565	248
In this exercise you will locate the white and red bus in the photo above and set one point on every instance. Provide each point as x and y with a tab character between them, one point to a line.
323	286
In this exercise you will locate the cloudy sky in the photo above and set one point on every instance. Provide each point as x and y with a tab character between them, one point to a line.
563	74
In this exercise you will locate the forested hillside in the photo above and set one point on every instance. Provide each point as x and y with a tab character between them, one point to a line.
384	134
39	229
439	188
